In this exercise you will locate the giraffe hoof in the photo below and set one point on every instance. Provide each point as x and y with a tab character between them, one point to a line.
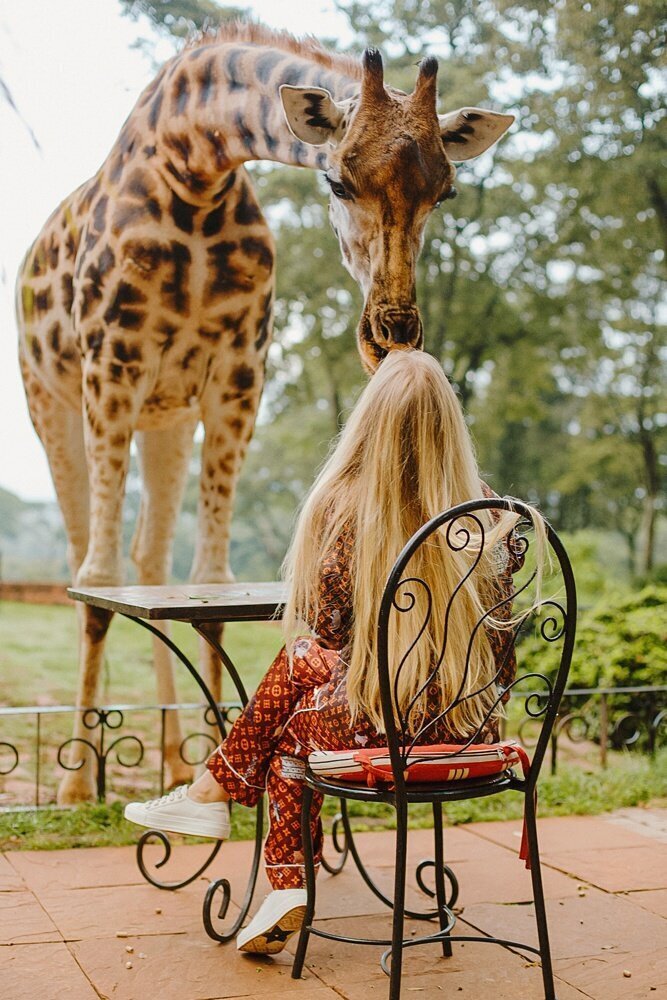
74	790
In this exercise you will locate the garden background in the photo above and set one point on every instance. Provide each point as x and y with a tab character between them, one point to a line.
542	292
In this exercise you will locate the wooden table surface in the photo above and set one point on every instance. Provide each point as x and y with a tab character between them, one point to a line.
221	602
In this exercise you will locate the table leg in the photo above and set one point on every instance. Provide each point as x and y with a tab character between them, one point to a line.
152	835
222	885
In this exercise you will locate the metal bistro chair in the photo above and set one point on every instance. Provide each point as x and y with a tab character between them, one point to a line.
553	621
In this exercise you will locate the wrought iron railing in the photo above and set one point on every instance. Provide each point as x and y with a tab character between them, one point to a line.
34	740
33	752
619	718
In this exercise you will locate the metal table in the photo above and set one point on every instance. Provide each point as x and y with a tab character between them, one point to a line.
199	605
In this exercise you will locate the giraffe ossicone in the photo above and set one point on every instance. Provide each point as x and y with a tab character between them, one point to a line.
145	304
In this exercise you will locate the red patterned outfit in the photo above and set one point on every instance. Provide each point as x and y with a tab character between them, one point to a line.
302	707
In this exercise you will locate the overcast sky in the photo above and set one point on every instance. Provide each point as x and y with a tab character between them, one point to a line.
74	77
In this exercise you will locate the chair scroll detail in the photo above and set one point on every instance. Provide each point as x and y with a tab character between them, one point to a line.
468	533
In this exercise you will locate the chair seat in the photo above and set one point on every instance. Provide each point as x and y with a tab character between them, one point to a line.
429	791
435	763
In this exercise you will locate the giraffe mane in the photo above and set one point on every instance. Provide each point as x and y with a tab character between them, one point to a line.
255	33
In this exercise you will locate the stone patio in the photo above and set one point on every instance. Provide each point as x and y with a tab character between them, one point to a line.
82	924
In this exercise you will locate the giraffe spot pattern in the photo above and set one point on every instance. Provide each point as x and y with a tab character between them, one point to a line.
175	289
260	251
225	277
246	210
125	353
265	113
94	342
67	290
188	358
214	221
43	300
242	377
244	133
156	106
181	95
123	310
226	187
263	330
207	82
183	214
213	137
234	82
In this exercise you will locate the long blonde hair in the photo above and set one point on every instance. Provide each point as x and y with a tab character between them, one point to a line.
404	456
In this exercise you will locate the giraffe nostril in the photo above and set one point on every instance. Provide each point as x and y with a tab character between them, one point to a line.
399	326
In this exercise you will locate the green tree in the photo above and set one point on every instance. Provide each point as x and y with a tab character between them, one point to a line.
540	286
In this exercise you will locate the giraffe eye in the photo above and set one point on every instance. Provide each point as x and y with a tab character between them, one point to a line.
452	193
337	189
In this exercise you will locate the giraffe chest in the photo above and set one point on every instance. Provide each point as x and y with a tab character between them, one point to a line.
203	337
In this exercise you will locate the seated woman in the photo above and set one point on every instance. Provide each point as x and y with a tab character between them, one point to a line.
404	456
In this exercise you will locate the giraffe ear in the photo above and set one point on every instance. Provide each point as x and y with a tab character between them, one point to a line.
470	131
312	114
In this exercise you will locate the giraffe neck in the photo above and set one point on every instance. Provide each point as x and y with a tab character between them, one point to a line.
218	106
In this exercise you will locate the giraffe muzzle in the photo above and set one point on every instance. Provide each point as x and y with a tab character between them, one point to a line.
387	328
397	326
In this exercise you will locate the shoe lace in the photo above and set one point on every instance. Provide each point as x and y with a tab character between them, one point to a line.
175	795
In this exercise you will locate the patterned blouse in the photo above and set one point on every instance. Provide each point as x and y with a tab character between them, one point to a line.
335	599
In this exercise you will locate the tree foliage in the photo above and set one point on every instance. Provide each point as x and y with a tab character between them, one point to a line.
540	286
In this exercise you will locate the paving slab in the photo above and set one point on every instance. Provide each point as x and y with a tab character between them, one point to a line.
185	967
564	833
85	868
591	925
10	880
605	977
615	868
315	993
42	972
654	900
379	847
651	823
473	971
498	876
128	910
24	921
88	895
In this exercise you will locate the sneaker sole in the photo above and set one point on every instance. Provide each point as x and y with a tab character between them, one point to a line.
273	939
191	828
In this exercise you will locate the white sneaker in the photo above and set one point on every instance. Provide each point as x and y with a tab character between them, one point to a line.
278	918
176	812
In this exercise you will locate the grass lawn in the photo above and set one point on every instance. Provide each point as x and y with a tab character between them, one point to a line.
38	659
630	780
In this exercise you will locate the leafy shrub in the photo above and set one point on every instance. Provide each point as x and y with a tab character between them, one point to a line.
621	642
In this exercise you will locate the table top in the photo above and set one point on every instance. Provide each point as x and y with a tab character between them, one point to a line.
220	602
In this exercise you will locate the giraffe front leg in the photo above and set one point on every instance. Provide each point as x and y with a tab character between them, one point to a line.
109	415
163	461
61	432
79	783
229	416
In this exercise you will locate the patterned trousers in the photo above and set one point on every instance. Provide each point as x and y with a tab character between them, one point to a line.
297	708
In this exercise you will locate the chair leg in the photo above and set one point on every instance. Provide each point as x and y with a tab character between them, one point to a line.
538	895
399	900
309	866
440	889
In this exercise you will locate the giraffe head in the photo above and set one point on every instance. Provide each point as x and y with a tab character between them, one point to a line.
390	162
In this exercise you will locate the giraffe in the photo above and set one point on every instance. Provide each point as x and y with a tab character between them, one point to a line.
145	303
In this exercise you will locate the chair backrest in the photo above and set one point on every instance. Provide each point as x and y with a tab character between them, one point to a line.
552	619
